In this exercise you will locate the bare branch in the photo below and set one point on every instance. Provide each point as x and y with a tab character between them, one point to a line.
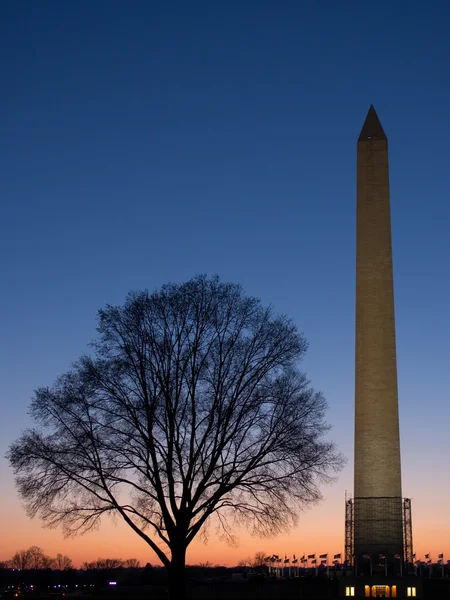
190	411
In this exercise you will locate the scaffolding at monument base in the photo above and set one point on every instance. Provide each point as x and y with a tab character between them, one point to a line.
378	531
349	530
407	532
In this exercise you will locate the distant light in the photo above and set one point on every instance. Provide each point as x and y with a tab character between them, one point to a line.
113	583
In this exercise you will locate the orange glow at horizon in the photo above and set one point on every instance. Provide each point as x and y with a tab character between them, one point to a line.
320	530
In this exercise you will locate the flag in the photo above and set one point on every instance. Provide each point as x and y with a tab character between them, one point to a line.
311	556
427	556
323	556
323	562
414	555
429	562
295	561
440	555
286	560
313	562
366	555
335	562
337	555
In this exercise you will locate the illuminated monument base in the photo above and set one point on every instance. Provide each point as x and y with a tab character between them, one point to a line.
378	535
378	550
381	587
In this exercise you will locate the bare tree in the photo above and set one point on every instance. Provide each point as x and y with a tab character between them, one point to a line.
190	412
39	560
104	564
20	560
131	563
62	562
32	558
109	563
259	559
205	564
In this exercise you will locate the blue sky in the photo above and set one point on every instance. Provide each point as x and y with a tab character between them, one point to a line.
147	141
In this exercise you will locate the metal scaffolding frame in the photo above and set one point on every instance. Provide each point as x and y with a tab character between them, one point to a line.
407	532
349	531
387	527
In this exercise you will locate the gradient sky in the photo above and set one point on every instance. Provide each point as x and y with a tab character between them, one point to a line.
147	141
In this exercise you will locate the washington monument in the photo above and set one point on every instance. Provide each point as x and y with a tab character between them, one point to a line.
378	516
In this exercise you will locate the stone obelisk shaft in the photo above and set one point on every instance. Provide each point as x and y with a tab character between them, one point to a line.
377	440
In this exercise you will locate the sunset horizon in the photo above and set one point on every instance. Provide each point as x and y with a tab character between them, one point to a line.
155	148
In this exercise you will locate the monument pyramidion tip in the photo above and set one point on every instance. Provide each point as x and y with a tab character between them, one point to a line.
372	128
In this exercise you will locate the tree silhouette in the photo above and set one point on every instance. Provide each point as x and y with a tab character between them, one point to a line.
21	560
62	562
32	558
131	563
190	412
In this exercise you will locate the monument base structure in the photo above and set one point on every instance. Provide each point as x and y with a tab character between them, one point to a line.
378	535
381	587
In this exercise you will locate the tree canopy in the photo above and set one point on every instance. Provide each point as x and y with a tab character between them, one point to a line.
190	412
34	559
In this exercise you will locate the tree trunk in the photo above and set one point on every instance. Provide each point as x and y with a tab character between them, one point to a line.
177	573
